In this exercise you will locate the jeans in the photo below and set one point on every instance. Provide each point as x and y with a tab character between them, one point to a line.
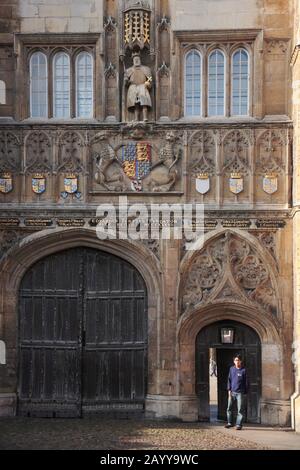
241	401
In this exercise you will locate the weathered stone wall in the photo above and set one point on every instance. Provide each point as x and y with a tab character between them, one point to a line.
9	21
55	16
212	14
295	62
257	144
9	24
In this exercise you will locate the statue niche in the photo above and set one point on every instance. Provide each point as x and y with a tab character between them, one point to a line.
137	44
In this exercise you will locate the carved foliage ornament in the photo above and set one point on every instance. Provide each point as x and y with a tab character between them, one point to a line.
236	153
276	46
271	152
203	153
70	152
8	239
38	153
229	261
268	240
9	152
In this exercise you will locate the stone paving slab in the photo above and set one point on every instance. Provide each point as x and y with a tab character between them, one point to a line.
104	434
273	438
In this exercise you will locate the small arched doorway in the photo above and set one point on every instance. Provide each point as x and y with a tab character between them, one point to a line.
82	335
244	341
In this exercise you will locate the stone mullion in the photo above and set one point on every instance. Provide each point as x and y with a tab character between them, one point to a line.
50	85
204	91
228	85
72	85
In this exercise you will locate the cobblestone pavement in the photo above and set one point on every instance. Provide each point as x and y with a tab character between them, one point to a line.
105	434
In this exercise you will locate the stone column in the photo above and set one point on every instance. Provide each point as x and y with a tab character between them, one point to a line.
167	403
295	399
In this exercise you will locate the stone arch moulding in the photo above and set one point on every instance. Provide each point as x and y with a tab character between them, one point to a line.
39	245
231	265
274	406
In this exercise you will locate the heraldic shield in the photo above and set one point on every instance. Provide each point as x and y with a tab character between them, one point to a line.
70	184
270	184
136	161
6	183
236	183
38	183
202	183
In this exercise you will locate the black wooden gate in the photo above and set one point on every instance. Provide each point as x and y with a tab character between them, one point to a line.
83	336
246	342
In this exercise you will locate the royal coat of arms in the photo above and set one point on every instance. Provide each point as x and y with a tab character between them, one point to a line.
136	161
202	183
6	183
270	184
71	184
236	183
38	183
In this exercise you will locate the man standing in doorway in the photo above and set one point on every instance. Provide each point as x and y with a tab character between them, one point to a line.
237	387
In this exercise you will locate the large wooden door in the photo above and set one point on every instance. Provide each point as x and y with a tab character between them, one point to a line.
115	326
247	343
83	335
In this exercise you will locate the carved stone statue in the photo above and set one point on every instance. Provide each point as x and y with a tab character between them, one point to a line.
164	173
138	80
109	172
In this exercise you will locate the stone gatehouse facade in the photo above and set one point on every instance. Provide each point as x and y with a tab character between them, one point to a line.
161	102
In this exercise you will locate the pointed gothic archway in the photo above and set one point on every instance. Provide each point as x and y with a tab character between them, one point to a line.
49	242
232	277
83	335
245	342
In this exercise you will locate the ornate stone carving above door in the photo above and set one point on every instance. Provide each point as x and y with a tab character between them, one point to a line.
229	264
127	165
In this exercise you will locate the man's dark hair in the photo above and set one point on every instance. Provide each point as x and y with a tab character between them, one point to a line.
238	356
